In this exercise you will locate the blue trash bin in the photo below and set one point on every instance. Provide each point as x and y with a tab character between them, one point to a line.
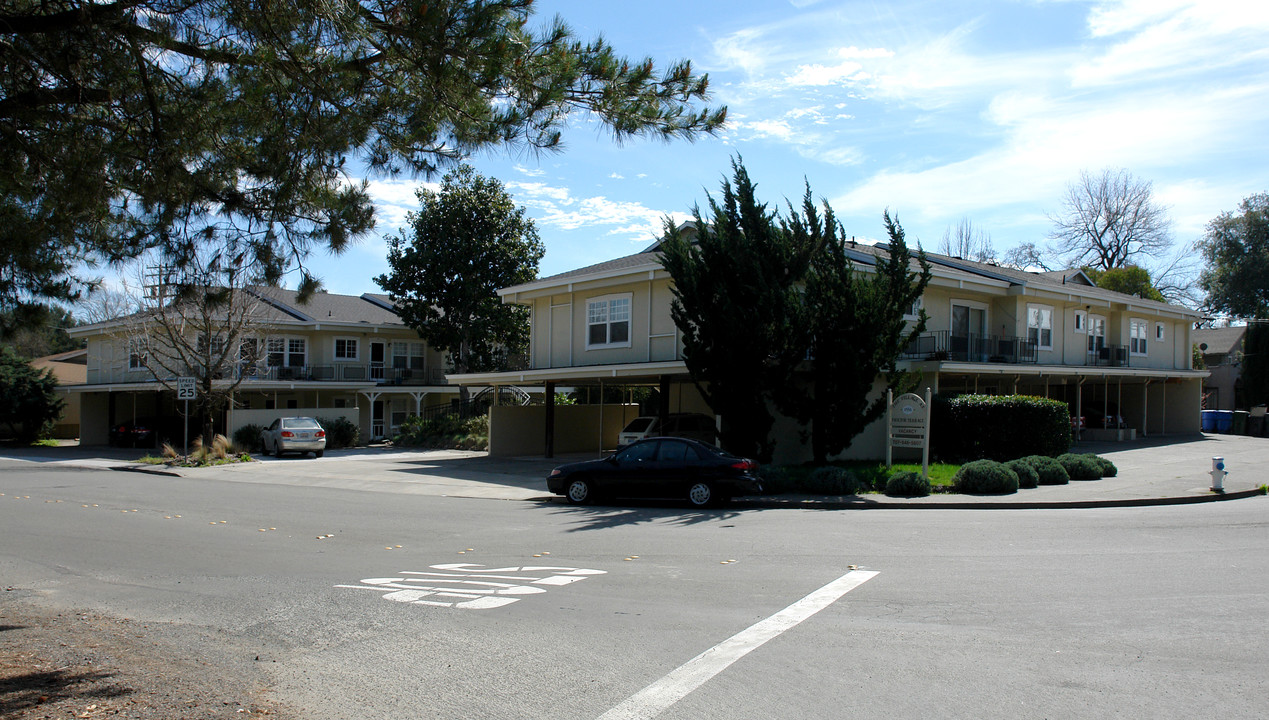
1224	421
1209	421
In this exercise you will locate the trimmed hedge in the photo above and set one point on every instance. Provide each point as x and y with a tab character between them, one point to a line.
1050	470
1108	467
986	477
907	484
1027	476
830	480
1081	467
999	427
340	432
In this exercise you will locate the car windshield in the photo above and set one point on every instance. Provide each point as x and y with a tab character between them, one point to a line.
638	425
301	423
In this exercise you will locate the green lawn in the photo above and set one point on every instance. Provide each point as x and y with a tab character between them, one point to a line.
795	478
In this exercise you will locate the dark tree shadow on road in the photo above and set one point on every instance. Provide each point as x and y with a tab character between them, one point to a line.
635	512
33	689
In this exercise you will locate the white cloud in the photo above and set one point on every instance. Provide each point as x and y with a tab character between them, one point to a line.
394	198
617	176
531	172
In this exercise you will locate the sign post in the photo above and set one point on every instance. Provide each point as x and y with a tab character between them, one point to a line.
908	426
185	391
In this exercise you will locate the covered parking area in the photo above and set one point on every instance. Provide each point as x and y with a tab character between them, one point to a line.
594	421
1116	403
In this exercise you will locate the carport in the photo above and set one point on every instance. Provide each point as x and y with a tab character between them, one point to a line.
1151	401
549	428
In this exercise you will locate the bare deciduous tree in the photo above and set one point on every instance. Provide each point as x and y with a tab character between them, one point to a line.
1109	218
967	242
1027	256
201	321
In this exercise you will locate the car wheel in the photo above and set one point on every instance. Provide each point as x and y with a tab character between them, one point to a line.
318	453
579	492
702	494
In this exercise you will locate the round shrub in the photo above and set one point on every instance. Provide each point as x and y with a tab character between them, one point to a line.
776	479
986	477
1108	467
829	480
247	438
340	432
1050	471
906	483
1080	467
1027	476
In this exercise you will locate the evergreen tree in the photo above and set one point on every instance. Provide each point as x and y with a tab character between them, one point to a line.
465	242
858	329
142	124
29	404
1236	248
737	305
1128	279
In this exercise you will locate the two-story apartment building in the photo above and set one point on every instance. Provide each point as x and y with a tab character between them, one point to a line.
1118	361
333	355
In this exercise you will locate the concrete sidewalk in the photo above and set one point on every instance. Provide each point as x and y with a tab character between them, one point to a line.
1154	471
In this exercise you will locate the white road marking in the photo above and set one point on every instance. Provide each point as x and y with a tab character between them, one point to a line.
655	698
471	593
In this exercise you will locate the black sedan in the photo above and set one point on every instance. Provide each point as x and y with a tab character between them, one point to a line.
659	467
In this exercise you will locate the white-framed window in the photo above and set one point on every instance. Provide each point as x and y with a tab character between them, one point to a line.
1096	333
286	352
138	354
408	355
608	321
1137	336
1081	321
1159	332
914	313
346	348
1040	326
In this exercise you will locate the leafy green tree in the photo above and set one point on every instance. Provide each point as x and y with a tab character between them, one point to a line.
1236	248
28	397
859	330
1255	365
737	304
37	330
1128	279
465	242
132	125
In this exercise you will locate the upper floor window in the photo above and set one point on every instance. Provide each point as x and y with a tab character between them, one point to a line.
1096	333
1158	332
138	354
286	352
1137	336
1081	321
345	348
1040	326
608	321
407	355
914	313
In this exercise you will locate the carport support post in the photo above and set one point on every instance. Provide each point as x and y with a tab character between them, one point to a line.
550	419
663	402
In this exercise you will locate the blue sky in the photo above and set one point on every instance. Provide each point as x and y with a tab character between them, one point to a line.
936	110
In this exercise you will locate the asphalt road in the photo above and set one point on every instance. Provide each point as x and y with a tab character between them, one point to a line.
1131	613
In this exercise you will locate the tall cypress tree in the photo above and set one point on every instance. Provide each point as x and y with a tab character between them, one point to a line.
738	307
858	330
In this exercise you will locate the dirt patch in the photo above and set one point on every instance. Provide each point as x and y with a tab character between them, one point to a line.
64	665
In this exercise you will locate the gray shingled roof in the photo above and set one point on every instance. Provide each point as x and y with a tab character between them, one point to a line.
1220	341
329	307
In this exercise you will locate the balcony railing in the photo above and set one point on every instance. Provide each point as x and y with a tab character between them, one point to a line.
1109	356
942	345
344	372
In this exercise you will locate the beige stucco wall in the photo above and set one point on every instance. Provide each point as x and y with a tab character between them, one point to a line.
520	429
560	325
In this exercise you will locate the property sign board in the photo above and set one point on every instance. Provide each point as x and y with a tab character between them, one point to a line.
185	388
908	425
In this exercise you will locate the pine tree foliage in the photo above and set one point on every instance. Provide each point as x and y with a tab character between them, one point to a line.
464	243
29	403
737	306
157	124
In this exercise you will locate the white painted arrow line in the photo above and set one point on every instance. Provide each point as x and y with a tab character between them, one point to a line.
655	698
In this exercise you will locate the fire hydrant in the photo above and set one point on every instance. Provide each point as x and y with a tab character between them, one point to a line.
1218	474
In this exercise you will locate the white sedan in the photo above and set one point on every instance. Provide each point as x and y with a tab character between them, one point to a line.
294	434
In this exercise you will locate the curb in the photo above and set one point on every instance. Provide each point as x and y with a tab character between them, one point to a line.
1032	505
